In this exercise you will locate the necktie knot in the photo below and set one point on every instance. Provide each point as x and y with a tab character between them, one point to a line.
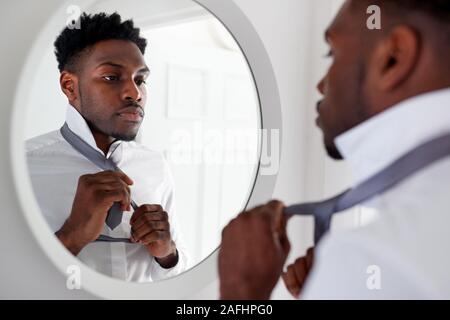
114	216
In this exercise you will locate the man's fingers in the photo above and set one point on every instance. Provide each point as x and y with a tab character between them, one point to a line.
145	209
115	174
148	227
275	220
275	209
309	258
124	177
275	205
285	243
295	276
149	216
279	223
291	282
117	195
115	185
251	211
154	236
300	270
109	176
118	186
110	185
136	214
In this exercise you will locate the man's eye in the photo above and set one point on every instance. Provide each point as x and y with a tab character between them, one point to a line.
329	54
110	78
140	82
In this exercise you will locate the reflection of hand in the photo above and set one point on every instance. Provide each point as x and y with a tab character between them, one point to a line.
296	274
95	195
150	227
253	252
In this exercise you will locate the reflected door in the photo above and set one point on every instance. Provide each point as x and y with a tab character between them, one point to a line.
202	113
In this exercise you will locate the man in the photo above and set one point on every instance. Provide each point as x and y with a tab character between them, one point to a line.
103	74
386	92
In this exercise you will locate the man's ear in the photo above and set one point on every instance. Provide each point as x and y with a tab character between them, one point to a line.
395	58
69	85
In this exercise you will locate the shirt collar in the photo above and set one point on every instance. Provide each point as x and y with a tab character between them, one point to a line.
79	126
376	143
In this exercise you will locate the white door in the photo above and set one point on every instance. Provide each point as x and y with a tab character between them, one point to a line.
202	113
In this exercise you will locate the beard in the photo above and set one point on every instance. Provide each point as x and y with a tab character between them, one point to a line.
122	136
100	123
361	105
333	152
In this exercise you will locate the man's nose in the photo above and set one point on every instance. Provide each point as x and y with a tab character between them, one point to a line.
131	91
321	86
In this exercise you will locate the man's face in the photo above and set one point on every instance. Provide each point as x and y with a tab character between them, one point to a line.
112	90
343	105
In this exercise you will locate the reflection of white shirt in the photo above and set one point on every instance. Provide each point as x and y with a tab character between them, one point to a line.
55	168
404	254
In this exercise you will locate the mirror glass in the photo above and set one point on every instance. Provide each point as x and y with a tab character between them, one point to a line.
194	156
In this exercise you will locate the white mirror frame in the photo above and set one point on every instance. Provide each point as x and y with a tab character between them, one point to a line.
19	61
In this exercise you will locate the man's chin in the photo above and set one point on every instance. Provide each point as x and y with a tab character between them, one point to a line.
124	136
333	152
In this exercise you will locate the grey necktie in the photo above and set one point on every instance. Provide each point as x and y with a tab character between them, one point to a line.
114	216
401	169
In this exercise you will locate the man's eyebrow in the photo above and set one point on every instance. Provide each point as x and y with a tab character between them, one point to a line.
116	65
327	35
109	63
144	70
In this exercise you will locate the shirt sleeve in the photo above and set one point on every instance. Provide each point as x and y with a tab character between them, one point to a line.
348	266
168	204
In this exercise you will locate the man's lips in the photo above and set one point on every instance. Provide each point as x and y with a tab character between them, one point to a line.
318	122
135	117
131	113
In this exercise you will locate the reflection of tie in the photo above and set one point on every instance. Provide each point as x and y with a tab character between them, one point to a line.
401	169
114	217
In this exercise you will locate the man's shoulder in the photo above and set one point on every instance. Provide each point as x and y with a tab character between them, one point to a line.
43	143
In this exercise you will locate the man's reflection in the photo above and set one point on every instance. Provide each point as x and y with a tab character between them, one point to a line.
103	74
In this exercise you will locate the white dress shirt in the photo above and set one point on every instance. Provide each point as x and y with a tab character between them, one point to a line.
405	252
55	168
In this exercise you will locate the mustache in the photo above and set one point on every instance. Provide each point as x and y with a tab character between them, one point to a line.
318	105
132	107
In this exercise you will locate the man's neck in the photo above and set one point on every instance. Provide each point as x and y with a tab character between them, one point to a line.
374	144
102	140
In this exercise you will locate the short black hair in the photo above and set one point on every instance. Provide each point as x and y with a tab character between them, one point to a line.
71	43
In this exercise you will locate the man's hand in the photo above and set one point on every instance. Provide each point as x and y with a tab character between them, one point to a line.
295	276
150	227
95	195
253	252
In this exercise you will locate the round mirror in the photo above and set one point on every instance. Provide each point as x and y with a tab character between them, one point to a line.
195	152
